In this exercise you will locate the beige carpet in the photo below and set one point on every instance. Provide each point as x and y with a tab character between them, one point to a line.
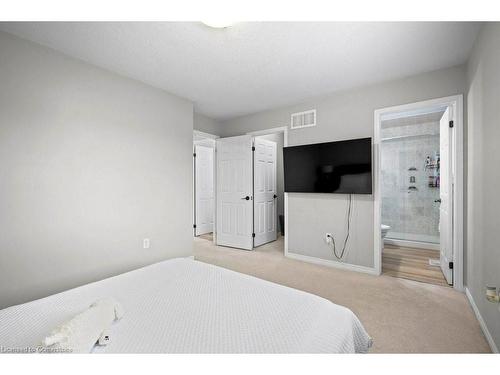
402	316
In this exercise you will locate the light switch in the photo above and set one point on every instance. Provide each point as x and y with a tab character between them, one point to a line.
146	243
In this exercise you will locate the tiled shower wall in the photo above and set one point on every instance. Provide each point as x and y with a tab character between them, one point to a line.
412	214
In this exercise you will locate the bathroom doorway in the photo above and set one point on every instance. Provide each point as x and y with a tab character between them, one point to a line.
418	157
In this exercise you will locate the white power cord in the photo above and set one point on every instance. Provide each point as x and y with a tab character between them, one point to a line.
329	236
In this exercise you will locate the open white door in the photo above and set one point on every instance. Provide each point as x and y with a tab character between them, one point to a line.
204	189
235	192
446	195
265	207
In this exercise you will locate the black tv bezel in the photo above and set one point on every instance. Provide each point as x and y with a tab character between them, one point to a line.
323	143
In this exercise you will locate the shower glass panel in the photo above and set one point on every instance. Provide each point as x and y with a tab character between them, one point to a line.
410	178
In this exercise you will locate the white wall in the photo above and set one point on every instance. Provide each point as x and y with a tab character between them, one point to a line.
206	124
90	164
343	115
483	235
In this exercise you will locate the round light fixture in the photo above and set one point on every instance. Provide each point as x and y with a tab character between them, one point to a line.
218	24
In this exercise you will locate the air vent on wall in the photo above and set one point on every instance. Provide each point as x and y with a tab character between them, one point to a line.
303	119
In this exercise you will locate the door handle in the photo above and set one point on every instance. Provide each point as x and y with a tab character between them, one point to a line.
247	198
275	196
437	201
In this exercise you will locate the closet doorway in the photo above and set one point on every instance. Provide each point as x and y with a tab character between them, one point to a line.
204	184
246	191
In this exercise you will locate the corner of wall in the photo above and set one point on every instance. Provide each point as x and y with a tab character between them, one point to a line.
482	323
206	124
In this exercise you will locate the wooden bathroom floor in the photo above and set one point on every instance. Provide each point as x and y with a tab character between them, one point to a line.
413	264
208	236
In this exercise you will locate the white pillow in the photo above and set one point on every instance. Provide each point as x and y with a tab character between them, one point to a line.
80	334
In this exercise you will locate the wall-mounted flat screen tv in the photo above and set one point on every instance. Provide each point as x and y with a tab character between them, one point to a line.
343	167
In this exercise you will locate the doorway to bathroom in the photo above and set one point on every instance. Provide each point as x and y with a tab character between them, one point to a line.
418	194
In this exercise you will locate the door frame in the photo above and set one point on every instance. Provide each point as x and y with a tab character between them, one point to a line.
455	101
284	130
204	136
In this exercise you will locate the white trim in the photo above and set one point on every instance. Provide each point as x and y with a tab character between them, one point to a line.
331	263
377	211
193	196
214	233
286	224
285	144
413	244
481	321
458	197
204	135
416	112
456	102
281	129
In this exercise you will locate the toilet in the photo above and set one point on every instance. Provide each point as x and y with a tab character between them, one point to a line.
385	229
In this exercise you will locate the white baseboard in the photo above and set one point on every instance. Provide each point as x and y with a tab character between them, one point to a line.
481	321
415	244
331	263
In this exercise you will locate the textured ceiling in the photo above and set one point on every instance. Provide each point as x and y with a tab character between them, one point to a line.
256	66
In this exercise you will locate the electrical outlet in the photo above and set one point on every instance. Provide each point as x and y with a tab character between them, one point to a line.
492	295
328	238
146	243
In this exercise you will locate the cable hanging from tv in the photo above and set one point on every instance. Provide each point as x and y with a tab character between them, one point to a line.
343	251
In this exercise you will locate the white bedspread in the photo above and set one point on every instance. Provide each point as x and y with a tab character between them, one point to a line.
186	306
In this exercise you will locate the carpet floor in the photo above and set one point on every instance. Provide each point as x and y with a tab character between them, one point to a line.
402	316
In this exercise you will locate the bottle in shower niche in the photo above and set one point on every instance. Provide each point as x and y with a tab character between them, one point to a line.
432	181
427	162
438	170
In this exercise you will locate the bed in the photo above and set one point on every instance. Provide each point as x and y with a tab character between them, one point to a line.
186	306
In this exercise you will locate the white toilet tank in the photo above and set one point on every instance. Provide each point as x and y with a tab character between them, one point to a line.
385	228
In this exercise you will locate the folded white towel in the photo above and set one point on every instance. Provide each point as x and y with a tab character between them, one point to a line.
82	332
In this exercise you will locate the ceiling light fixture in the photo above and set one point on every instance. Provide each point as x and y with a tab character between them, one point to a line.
218	24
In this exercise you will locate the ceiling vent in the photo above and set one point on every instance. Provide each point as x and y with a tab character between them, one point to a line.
303	119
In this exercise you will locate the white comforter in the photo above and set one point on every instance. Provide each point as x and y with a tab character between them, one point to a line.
186	306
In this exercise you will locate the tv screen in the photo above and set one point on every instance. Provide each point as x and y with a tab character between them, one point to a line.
343	167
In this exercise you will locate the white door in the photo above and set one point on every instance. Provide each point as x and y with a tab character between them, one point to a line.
265	207
204	189
446	195
235	192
